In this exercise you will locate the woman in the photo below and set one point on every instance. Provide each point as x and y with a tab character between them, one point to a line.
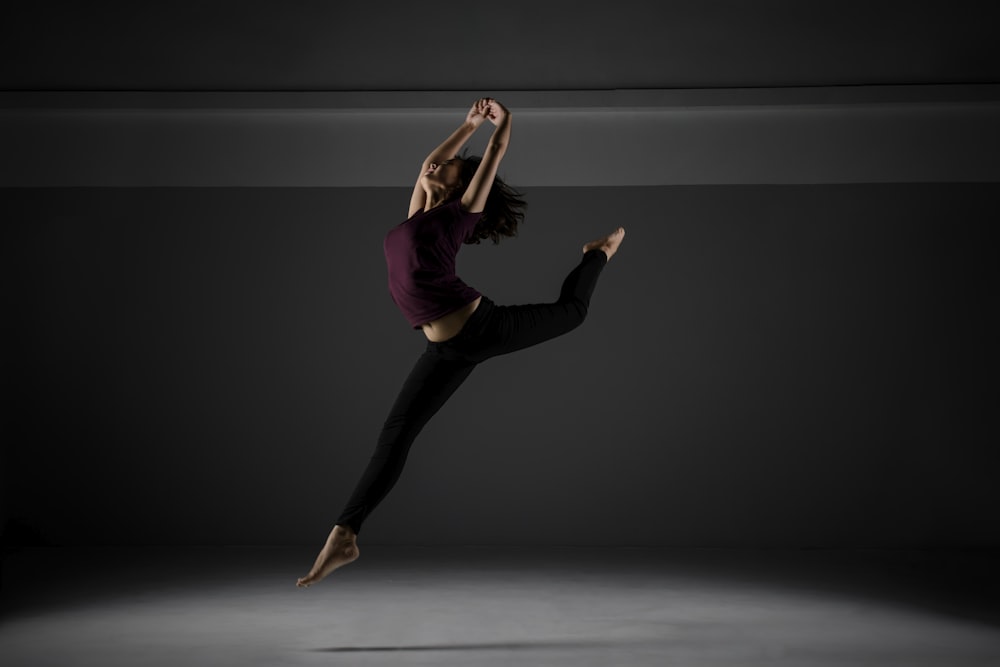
455	200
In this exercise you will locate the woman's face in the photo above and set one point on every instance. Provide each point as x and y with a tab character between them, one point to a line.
446	174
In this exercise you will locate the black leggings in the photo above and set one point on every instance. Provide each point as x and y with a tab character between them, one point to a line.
492	330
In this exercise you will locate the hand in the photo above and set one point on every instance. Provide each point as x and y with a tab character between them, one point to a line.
495	111
477	114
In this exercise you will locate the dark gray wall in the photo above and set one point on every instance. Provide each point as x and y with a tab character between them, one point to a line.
763	366
273	45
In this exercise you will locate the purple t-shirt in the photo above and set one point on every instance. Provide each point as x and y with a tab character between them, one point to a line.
420	257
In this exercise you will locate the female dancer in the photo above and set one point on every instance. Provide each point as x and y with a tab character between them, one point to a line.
455	200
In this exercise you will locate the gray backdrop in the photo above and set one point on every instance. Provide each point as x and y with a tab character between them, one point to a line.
763	366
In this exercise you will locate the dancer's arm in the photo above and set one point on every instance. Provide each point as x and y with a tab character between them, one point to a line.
448	149
474	199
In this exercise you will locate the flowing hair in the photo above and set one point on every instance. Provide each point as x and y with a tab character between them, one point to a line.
504	209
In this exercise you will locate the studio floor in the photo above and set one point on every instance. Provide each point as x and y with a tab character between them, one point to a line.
500	606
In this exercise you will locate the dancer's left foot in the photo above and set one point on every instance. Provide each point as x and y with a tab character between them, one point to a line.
341	548
609	244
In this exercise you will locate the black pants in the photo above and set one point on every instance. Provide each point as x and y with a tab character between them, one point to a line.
492	330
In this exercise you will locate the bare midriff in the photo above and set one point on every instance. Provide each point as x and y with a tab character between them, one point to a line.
448	326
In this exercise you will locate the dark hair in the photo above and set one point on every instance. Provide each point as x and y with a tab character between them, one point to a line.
504	209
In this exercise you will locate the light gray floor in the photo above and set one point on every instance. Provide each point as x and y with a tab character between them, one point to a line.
512	606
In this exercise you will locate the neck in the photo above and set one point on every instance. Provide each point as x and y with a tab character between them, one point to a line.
435	199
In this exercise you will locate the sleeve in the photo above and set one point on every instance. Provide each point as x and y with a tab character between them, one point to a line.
466	222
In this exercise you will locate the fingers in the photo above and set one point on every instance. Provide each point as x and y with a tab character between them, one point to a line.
488	107
484	104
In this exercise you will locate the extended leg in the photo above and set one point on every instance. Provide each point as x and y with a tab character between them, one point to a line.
518	327
429	385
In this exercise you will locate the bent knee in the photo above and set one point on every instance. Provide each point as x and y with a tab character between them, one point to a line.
577	310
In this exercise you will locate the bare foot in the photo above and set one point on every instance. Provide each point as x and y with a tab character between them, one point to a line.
609	244
341	548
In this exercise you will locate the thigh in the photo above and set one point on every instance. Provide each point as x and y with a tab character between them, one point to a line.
431	382
514	328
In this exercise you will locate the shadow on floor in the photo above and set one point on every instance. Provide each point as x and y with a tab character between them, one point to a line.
569	644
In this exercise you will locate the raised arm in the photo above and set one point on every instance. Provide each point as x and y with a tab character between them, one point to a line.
474	199
448	149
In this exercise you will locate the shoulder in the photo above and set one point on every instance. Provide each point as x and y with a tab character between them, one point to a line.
463	212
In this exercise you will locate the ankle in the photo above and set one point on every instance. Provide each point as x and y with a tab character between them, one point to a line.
345	532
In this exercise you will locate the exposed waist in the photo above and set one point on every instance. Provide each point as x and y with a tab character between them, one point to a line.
450	325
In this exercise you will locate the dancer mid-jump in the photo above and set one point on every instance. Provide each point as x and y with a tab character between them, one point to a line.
456	200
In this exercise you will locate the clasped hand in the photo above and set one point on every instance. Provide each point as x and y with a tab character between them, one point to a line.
486	108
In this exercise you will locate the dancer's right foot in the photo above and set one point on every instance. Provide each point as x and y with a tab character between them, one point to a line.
609	244
341	548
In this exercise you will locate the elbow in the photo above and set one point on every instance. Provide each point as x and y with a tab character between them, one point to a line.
498	147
